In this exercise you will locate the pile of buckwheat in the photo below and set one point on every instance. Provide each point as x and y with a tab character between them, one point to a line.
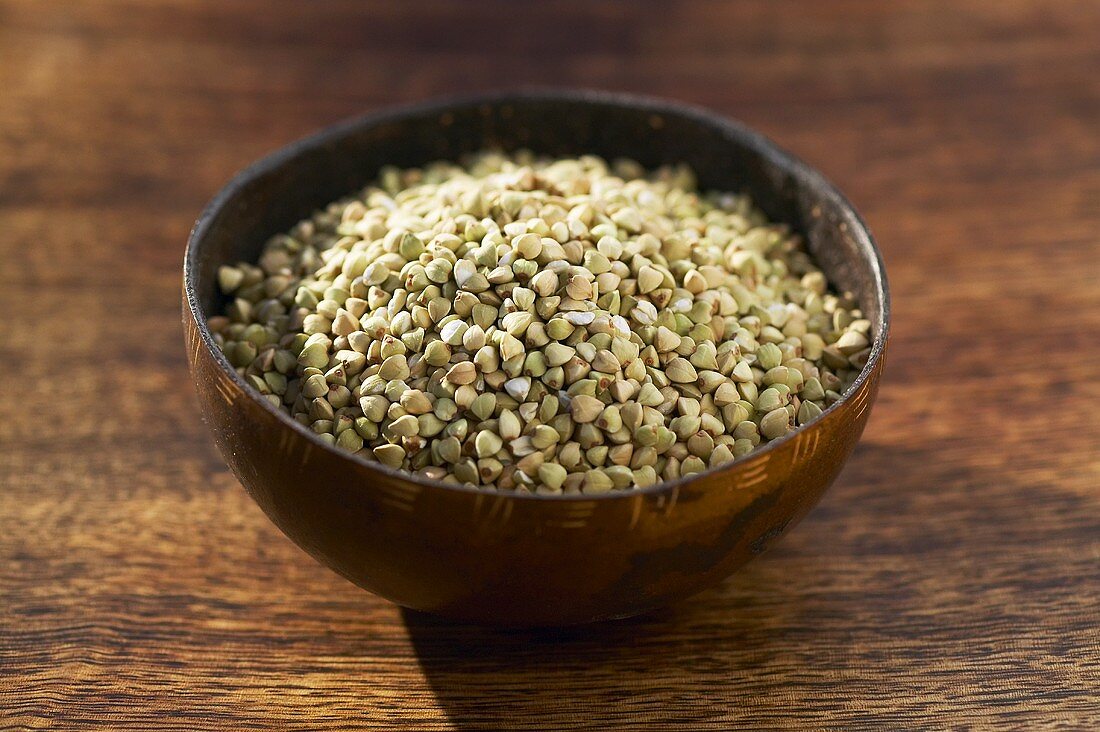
553	326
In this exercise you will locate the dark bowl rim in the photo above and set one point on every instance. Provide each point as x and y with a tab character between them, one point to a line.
759	143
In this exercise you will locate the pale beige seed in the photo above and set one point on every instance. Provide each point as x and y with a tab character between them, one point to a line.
605	362
391	455
650	396
474	338
559	329
726	394
437	353
508	425
314	355
807	411
644	313
579	288
438	270
463	271
452	332
523	298
851	342
229	278
692	465
551	474
487	359
644	476
577	317
430	425
465	395
621	390
394	367
518	388
510	347
720	455
528	246
500	275
769	356
487	444
597	481
462	373
314	386
405	426
774	424
585	408
680	371
477	283
742	372
649	279
557	355
812	390
482	407
415	401
483	315
392	347
694	282
344	323
517	323
813	346
544	283
544	436
529	464
374	407
666	340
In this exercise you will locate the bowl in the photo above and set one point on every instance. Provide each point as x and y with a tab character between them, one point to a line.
504	558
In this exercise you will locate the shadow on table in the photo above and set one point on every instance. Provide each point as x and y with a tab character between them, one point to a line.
644	669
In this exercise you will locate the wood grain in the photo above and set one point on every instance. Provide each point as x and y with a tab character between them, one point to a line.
951	578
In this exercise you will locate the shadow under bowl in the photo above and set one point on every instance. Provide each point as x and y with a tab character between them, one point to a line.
503	558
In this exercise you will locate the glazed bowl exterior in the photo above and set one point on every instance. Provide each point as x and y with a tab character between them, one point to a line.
505	558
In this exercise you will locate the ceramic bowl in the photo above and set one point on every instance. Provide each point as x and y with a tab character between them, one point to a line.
505	558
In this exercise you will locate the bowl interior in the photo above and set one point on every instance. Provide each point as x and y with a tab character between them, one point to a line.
288	186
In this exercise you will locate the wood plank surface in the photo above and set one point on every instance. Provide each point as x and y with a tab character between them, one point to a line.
950	579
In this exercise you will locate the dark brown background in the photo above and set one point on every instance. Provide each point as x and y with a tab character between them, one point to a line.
950	579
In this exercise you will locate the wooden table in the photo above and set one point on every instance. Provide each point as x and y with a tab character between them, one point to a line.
950	579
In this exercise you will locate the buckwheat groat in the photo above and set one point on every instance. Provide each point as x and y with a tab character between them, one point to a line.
553	326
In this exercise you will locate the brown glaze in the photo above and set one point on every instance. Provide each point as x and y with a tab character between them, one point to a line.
506	558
